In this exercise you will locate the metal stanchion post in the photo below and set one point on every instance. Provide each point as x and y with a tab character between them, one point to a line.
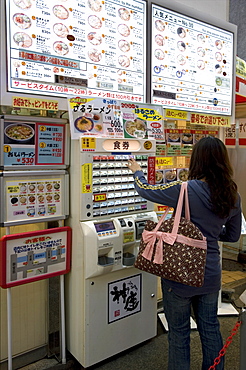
243	340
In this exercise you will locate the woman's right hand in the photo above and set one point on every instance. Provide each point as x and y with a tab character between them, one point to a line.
133	165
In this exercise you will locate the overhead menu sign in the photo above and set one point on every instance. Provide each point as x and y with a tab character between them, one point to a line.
77	47
192	63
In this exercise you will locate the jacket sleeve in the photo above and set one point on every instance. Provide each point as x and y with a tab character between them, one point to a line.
166	194
232	228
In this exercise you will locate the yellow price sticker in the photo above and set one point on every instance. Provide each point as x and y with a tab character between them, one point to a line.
176	114
100	197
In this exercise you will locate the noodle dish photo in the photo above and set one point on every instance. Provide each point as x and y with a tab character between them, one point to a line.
19	133
84	124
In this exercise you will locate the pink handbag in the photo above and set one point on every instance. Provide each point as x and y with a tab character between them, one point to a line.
174	249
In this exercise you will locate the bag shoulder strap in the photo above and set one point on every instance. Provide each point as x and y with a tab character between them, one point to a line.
183	191
162	219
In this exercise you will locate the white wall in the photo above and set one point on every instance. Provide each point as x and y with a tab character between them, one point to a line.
216	8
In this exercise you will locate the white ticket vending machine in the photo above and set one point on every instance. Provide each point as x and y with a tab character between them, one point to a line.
111	306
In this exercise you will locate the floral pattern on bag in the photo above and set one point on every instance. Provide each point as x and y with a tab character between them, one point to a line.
181	262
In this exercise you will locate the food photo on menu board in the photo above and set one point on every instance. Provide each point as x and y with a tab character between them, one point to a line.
114	118
94	117
142	121
90	46
18	143
26	143
165	176
192	63
32	198
19	133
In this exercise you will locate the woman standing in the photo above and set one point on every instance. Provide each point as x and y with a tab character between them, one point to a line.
215	209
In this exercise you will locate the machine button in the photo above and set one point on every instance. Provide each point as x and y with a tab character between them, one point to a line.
130	223
122	223
88	206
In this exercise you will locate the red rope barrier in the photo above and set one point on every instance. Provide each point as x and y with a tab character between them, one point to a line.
226	345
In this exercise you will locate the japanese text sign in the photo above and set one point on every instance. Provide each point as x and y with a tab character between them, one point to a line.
35	255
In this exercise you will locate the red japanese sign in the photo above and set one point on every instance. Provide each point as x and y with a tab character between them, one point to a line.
35	255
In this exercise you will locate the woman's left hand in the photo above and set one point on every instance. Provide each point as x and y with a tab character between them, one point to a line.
133	165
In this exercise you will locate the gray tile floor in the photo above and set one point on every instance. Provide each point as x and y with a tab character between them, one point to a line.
152	355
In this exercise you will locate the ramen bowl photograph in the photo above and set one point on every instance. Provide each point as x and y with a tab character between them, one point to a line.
84	124
183	174
170	175
159	176
19	133
136	128
173	137
187	138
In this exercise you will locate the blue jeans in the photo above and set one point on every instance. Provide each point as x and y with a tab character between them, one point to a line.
178	311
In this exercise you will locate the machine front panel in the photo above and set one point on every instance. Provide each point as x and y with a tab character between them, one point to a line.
107	185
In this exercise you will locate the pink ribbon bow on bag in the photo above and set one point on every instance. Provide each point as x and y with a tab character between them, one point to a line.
150	237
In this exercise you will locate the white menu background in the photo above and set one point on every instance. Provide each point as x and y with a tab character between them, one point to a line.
78	47
192	63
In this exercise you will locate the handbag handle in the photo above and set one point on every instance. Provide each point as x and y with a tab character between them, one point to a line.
183	191
177	216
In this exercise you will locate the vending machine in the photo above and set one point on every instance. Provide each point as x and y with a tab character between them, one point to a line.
111	306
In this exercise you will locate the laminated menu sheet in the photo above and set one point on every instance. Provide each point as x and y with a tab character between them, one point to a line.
33	196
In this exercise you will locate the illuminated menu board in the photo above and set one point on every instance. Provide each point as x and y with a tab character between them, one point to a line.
77	47
192	63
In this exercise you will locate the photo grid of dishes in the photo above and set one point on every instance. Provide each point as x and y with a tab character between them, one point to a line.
182	137
164	176
178	146
192	63
33	198
100	42
115	119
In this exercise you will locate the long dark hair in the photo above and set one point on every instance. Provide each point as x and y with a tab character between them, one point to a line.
210	161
